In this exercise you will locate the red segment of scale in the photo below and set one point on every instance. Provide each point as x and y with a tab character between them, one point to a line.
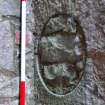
22	93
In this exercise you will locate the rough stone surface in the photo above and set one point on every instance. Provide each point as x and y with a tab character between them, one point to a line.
91	13
91	90
6	46
10	7
10	53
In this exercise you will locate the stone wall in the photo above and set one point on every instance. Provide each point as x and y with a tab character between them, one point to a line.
10	53
91	14
91	90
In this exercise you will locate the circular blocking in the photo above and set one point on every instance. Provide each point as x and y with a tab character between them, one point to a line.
61	54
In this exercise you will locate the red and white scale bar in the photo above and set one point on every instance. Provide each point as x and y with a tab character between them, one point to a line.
23	48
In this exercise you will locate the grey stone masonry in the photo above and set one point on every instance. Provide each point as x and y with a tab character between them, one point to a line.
10	53
90	13
6	45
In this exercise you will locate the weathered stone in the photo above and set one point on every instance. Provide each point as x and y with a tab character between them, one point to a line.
91	90
60	23
92	18
10	7
30	98
56	49
10	53
6	46
61	45
10	88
